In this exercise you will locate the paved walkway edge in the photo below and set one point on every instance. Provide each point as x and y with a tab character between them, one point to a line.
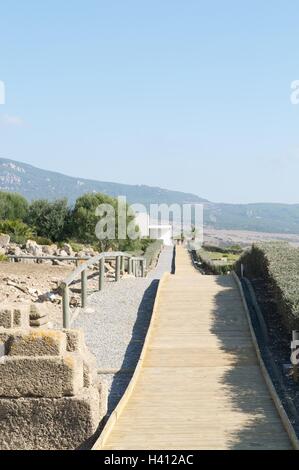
279	406
122	403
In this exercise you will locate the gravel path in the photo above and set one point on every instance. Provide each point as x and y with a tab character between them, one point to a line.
115	323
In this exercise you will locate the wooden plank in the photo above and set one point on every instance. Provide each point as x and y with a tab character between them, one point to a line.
198	383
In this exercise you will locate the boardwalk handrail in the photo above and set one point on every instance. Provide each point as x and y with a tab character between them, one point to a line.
135	265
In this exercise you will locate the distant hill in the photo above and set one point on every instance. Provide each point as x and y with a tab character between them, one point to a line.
259	217
35	183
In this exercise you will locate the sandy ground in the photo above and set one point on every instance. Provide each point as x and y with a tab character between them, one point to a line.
243	237
21	282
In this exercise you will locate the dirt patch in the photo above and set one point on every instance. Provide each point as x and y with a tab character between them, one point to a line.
21	282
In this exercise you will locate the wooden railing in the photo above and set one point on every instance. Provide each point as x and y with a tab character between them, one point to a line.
134	265
76	259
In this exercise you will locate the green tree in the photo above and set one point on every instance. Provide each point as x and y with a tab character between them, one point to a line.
12	206
49	218
86	218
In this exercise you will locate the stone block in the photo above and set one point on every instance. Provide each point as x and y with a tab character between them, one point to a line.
14	317
7	334
90	376
21	317
37	311
2	349
6	318
48	376
37	343
40	322
74	340
49	423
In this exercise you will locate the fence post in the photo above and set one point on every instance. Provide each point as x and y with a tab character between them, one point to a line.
122	264
129	266
101	273
117	268
83	288
142	268
66	307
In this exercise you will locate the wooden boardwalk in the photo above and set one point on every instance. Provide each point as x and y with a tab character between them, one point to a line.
198	384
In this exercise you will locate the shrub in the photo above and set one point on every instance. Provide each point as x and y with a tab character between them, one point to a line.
48	218
3	258
12	206
18	231
152	252
277	263
76	246
216	260
212	266
42	240
234	249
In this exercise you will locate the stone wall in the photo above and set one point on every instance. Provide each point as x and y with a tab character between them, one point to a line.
49	395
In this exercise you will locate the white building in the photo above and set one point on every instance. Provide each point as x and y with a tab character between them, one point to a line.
154	230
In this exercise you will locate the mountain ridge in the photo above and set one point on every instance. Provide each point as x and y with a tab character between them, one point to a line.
35	183
14	177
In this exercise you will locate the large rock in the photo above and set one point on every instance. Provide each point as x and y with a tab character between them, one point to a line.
68	249
63	253
15	250
49	424
50	376
4	240
49	250
33	248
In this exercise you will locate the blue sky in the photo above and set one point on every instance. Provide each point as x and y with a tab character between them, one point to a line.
188	95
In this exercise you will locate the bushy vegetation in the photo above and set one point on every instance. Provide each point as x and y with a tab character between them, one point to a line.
84	220
54	222
277	263
12	206
152	252
216	260
49	219
18	231
231	249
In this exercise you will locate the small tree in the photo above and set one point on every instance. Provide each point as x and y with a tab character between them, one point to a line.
12	206
85	220
49	218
